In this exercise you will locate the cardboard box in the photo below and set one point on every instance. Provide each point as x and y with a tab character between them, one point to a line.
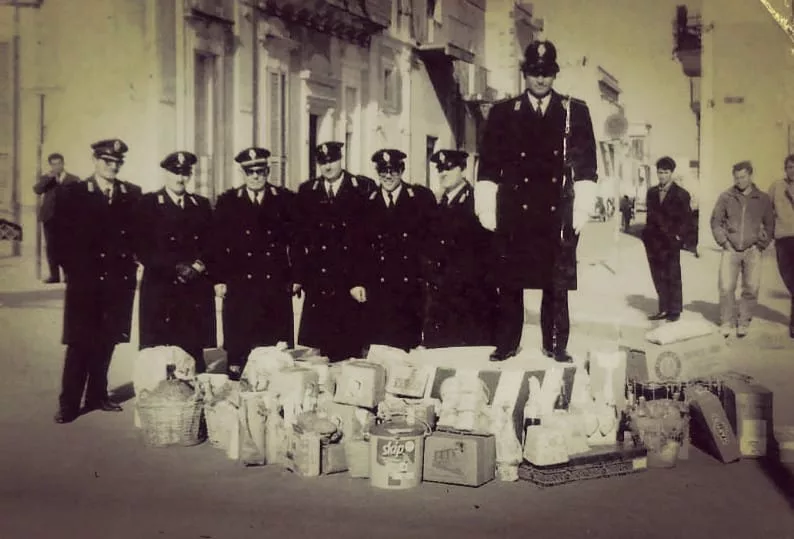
303	453
748	406
406	379
710	429
459	459
681	361
784	440
361	383
352	420
332	459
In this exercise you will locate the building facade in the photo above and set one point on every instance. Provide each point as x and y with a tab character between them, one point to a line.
742	75
215	76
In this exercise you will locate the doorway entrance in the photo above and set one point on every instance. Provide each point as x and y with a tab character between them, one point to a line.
209	125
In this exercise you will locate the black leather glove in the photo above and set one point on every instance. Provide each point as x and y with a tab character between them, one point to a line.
185	273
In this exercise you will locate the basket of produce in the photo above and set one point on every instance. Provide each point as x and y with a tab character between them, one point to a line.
661	426
171	413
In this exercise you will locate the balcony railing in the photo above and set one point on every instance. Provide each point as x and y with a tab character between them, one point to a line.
350	20
687	31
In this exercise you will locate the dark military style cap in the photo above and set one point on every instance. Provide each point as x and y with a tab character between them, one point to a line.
180	163
112	149
540	58
253	158
447	159
388	159
328	152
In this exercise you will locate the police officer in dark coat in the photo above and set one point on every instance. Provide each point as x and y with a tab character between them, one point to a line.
252	232
390	250
330	214
666	224
537	188
96	219
177	303
460	301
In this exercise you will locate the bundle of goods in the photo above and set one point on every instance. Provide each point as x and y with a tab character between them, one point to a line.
151	368
661	425
221	398
581	440
171	413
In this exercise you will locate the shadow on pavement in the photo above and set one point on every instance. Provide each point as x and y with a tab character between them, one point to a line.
29	297
642	303
782	476
122	393
635	229
711	312
778	293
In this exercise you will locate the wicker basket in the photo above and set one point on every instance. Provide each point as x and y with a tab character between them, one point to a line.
173	423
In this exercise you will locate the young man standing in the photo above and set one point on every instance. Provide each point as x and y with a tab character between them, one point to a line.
741	223
668	210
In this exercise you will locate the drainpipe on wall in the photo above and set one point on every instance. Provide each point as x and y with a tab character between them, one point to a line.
16	122
255	78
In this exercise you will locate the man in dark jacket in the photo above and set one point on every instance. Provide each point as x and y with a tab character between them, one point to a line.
252	229
48	187
460	298
177	303
330	211
95	219
536	189
389	250
667	218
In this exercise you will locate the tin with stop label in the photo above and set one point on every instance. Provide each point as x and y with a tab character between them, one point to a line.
396	454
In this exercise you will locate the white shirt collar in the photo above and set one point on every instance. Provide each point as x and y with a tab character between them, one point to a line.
253	194
544	101
394	194
333	185
454	192
174	197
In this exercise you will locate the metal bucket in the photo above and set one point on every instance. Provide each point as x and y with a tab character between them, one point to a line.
396	451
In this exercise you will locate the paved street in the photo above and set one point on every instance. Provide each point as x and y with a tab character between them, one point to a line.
94	478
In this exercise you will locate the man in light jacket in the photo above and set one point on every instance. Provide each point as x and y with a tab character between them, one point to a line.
742	223
782	197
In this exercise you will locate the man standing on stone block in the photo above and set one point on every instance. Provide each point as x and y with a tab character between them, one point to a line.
536	189
742	223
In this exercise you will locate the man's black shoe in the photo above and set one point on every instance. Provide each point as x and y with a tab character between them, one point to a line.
52	280
563	357
498	355
106	406
547	352
661	315
63	416
673	317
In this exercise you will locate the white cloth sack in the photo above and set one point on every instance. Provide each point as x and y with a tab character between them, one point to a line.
263	363
681	330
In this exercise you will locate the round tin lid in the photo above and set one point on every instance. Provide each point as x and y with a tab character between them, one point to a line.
397	428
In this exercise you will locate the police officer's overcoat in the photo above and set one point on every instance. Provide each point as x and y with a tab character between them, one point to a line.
325	262
171	312
95	243
523	154
251	256
391	249
460	300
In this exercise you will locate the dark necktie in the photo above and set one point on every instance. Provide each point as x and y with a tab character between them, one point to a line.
445	200
538	109
108	194
329	191
181	203
391	200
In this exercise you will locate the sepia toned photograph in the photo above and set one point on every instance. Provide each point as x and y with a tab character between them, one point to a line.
396	269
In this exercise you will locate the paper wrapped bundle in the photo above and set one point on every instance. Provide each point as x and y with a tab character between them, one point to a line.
545	446
253	414
575	426
464	404
408	410
152	366
221	402
331	454
351	421
302	455
298	390
508	448
405	378
277	434
320	365
357	456
263	363
361	383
